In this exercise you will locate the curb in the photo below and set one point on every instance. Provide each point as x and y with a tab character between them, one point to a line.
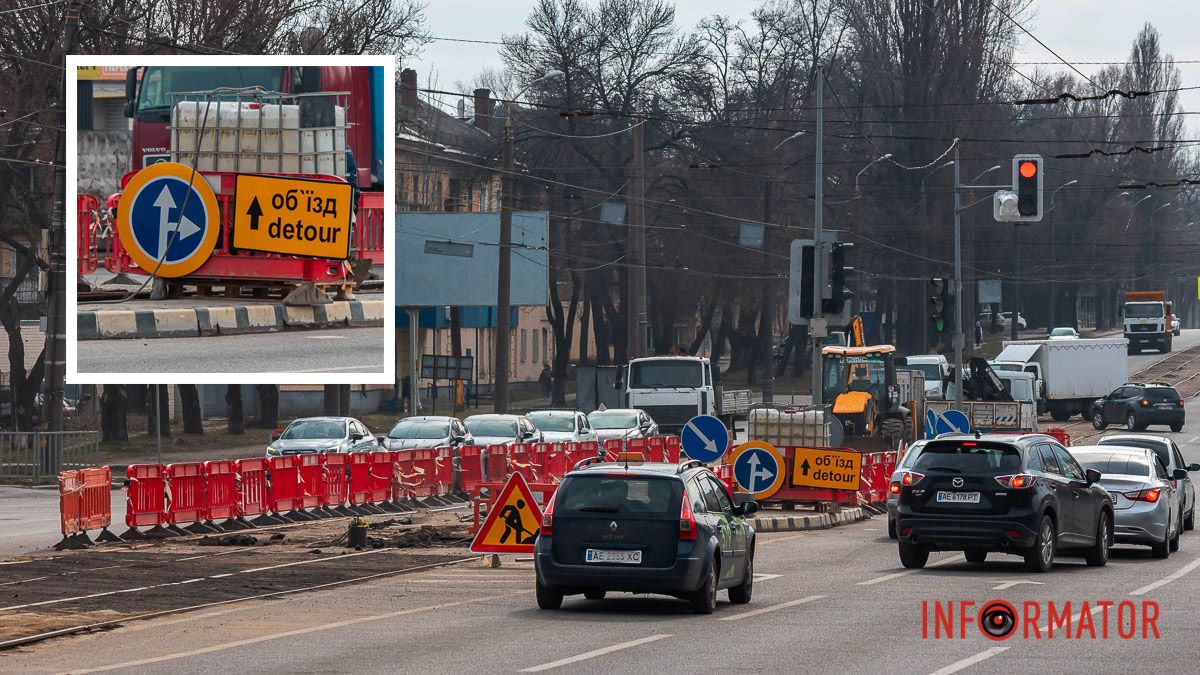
819	521
212	321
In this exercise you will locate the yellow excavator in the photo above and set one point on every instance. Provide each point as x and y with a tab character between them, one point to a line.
860	381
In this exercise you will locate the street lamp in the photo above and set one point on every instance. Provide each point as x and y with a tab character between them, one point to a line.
1054	259
869	165
1133	210
793	137
504	267
985	172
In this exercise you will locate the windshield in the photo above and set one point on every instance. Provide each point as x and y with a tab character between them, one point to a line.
1144	310
407	429
159	83
547	422
613	420
1062	332
1117	463
1019	389
1005	366
308	430
602	494
1159	449
493	427
968	457
932	372
653	374
854	373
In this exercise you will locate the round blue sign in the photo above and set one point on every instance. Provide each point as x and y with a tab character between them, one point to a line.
758	470
704	438
158	225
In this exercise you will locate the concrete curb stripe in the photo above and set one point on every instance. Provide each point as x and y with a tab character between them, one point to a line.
144	320
356	313
86	322
207	321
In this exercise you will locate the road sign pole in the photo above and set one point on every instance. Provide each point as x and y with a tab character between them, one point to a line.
819	200
958	319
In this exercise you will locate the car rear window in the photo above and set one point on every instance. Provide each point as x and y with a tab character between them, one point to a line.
1117	463
1158	448
1161	394
968	457
641	495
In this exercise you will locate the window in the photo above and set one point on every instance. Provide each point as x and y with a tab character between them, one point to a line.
1157	447
649	374
415	195
1159	470
724	504
1049	463
969	457
402	186
524	336
602	494
696	495
1034	461
1070	469
536	358
1178	456
1118	463
545	345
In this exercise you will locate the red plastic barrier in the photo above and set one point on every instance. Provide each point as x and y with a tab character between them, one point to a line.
656	449
612	447
335	479
581	451
383	466
95	498
187	493
146	498
473	471
638	445
725	473
221	483
253	490
359	473
557	462
521	460
285	484
87	229
671	448
497	463
420	479
311	471
70	505
443	475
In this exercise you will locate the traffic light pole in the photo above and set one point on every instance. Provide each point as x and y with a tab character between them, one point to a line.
958	322
818	275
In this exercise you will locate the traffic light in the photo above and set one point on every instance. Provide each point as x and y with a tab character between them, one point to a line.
800	281
1027	182
837	279
939	304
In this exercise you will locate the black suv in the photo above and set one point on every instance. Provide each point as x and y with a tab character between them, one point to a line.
1022	495
644	528
1137	406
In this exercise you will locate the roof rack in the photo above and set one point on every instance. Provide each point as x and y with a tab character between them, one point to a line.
587	462
688	465
1161	384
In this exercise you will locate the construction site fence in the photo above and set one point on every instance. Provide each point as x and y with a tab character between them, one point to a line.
38	456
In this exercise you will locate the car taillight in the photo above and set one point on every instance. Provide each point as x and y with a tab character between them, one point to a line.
1017	480
548	516
895	487
687	522
1150	495
911	477
1145	403
1180	402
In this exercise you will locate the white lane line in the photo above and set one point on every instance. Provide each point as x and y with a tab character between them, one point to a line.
213	555
325	337
764	577
292	633
896	575
594	653
458	581
771	608
1169	578
765	541
1193	439
969	661
361	369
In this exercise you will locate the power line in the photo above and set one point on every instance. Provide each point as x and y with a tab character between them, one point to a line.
1044	45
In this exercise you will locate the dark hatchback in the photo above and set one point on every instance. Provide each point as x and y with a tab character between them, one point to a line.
1137	406
644	528
1021	495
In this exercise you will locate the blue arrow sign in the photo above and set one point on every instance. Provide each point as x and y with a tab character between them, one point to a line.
159	226
951	421
756	470
705	438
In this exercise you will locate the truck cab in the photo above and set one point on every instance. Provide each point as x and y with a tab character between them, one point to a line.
671	389
1148	321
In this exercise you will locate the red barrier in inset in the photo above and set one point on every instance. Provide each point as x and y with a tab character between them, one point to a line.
612	447
638	445
188	500
253	490
497	463
656	449
222	493
443	476
557	462
87	229
521	460
577	452
383	466
70	506
285	484
417	473
311	471
335	479
473	472
671	448
146	498
359	474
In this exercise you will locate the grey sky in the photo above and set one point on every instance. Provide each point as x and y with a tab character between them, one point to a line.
1079	30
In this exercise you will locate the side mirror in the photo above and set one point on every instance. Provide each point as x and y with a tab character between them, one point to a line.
1093	476
276	433
746	509
355	436
1193	467
1179	474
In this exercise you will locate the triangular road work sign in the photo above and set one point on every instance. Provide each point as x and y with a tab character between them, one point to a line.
512	523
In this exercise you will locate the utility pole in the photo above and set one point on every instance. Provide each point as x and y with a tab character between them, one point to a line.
958	321
635	321
1016	311
504	272
56	348
816	329
767	339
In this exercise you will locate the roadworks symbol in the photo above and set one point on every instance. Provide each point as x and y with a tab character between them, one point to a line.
513	522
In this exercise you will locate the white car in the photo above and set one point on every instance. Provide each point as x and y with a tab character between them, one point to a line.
502	429
1064	333
1005	317
562	426
622	423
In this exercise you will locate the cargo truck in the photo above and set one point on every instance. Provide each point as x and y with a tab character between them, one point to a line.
1074	373
1149	321
674	389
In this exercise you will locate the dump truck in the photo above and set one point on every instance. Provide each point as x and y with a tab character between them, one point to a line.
1149	321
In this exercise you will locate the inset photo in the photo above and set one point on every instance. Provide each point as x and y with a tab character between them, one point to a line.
230	219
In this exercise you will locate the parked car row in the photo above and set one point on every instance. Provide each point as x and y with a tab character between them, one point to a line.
347	434
1030	496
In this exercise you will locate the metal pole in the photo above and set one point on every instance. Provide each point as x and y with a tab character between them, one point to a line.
958	319
636	318
414	391
819	200
158	424
1053	269
768	334
504	271
1016	311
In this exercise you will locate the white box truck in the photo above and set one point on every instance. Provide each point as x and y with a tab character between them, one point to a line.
1074	373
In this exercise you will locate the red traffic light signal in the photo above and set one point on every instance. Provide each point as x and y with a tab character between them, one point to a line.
1027	183
1028	169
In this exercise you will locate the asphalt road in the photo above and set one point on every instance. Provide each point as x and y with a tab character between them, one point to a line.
29	520
358	350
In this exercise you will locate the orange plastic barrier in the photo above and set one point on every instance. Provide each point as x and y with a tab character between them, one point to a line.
220	482
96	500
336	484
359	474
146	497
187	501
69	503
253	489
311	471
285	484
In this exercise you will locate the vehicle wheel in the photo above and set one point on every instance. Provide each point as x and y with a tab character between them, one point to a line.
1163	548
1058	413
704	599
1189	522
975	555
892	428
1040	556
547	597
1177	428
594	595
892	529
913	556
740	594
1098	420
1131	422
1097	555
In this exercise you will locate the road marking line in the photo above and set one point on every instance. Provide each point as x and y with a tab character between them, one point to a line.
459	581
213	555
765	577
1193	439
328	370
896	575
293	633
594	653
772	608
969	661
325	337
1169	578
766	541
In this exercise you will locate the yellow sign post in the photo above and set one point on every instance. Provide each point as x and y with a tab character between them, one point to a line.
293	216
826	468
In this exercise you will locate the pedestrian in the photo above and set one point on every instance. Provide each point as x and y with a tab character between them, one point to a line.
546	379
978	334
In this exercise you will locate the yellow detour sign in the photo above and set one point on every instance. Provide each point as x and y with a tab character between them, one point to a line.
513	522
293	216
826	468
